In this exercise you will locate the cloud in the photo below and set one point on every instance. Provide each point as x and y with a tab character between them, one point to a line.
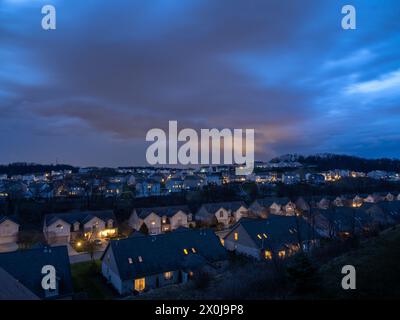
115	70
386	83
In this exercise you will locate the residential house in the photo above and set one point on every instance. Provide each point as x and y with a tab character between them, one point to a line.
193	182
62	228
340	222
214	178
357	201
315	178
12	289
224	213
378	215
39	190
26	266
140	263
320	202
174	185
161	219
373	198
302	204
389	197
340	201
277	236
147	188
290	178
272	205
9	229
391	209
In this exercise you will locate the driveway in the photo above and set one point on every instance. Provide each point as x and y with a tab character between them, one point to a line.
8	247
84	257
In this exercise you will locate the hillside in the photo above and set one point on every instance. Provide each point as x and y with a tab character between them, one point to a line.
377	266
329	161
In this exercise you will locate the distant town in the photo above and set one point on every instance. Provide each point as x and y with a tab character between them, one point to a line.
148	232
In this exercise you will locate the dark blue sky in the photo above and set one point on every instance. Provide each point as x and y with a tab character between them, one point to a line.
87	93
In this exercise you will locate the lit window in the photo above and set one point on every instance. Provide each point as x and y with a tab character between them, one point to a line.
168	275
153	223
268	255
236	236
259	236
222	242
265	236
140	284
140	259
282	254
130	260
193	250
185	251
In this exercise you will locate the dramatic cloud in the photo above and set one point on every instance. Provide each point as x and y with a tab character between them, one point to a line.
88	92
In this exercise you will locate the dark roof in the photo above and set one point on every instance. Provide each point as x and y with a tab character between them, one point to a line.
232	205
280	230
165	252
346	217
12	289
161	211
79	216
391	208
11	218
267	202
26	266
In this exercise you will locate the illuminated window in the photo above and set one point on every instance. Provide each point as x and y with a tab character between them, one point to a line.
265	236
282	254
236	236
153	223
193	250
140	284
222	242
259	236
168	275
268	255
130	260
185	251
140	259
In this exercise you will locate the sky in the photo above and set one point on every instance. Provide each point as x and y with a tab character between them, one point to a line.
88	92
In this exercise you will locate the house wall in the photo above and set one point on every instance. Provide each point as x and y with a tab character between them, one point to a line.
258	209
204	216
275	208
179	216
127	286
222	216
244	245
110	271
8	232
134	221
240	213
56	235
153	228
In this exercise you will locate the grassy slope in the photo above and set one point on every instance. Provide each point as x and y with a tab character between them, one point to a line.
86	277
377	264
